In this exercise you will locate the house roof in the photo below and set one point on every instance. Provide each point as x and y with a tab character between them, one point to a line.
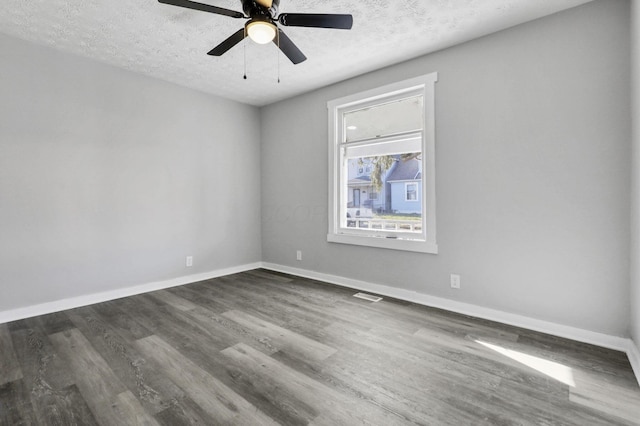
405	170
360	180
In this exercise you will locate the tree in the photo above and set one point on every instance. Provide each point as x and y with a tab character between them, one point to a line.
382	163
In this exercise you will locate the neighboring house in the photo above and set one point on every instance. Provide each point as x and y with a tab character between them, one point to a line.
400	192
362	193
404	181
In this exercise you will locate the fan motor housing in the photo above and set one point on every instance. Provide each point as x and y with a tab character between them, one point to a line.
254	9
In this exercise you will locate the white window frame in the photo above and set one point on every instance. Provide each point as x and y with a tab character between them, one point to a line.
425	243
406	192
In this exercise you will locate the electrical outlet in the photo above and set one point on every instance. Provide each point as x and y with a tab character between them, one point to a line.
189	261
455	281
299	255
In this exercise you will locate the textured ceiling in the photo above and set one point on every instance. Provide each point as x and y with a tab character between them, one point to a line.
171	43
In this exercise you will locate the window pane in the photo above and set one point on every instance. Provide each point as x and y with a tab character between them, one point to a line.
384	197
404	115
412	192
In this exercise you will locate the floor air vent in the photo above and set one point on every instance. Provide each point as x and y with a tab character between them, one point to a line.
368	297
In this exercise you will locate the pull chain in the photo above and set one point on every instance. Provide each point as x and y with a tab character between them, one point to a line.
244	48
278	53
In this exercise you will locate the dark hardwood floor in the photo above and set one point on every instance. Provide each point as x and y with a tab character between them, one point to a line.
265	348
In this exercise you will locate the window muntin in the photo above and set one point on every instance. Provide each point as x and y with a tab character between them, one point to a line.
363	130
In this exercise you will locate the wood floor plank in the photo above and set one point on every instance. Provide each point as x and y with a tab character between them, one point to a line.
333	406
338	304
361	380
612	365
393	350
209	393
605	397
226	332
269	275
301	310
97	382
10	370
470	353
459	325
64	407
185	412
74	411
195	327
129	409
531	402
54	323
279	308
173	300
390	366
154	391
199	348
472	349
15	404
46	378
283	338
125	325
53	397
196	294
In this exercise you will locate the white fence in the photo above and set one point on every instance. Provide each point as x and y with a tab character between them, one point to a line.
385	224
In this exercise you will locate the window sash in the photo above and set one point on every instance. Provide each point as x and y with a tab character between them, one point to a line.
392	145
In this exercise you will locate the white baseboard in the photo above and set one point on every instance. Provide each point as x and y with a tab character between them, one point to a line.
594	338
633	352
90	299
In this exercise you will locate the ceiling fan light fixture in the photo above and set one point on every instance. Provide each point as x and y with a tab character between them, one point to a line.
263	25
262	32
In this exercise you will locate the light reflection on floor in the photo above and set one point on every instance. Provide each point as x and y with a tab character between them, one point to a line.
556	371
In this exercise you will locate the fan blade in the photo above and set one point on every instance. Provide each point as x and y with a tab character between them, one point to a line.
317	20
265	3
234	39
288	48
203	7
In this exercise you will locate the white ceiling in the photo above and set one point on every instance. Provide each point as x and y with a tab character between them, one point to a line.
171	43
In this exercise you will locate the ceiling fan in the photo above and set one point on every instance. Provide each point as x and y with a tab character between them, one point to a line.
262	24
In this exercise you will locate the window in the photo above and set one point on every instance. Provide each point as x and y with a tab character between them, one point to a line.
411	192
391	132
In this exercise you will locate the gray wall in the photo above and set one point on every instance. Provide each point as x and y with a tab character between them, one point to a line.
635	177
533	142
109	179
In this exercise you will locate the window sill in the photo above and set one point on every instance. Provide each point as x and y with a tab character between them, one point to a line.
385	243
